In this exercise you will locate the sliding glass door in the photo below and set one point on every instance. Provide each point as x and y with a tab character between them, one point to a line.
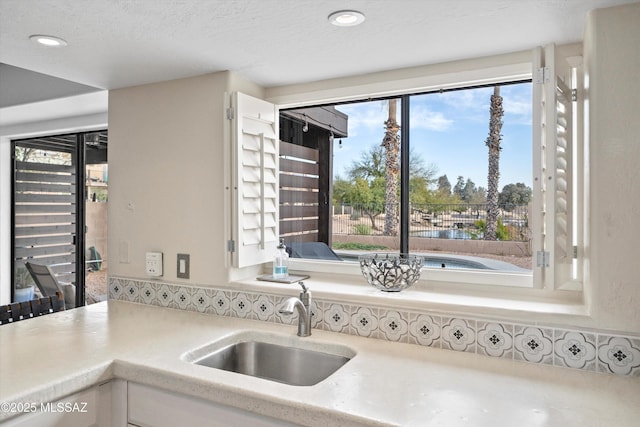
50	186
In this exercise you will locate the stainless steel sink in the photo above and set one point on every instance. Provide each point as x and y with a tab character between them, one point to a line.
276	362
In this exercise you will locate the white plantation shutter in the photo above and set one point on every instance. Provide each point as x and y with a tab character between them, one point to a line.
553	187
255	180
561	192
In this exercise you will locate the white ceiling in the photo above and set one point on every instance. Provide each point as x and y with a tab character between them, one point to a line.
119	43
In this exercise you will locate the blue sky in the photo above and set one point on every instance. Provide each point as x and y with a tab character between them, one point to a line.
448	130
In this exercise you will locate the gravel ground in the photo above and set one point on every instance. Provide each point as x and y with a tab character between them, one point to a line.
96	286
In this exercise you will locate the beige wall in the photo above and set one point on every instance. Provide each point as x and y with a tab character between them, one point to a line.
612	59
166	172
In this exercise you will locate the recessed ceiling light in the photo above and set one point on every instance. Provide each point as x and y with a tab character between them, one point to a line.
50	41
346	18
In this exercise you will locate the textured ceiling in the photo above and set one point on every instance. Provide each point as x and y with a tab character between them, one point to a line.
119	43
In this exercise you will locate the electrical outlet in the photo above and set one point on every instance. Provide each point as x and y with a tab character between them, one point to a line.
183	266
154	264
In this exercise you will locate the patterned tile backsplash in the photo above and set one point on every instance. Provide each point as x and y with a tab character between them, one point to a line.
578	349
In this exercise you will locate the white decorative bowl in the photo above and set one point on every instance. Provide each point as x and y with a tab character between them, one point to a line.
391	272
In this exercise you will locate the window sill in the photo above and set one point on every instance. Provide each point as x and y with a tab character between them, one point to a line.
515	305
490	278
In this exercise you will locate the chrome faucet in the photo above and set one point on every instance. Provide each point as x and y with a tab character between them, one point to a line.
303	306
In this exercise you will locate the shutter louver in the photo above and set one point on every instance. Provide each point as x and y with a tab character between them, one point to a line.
557	171
563	196
255	138
563	172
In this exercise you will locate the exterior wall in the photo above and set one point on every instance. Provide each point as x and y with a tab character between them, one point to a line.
612	61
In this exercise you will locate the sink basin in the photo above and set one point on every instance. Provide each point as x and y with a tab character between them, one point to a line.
280	362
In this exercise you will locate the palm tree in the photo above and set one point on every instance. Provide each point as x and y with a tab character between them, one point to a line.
496	113
391	144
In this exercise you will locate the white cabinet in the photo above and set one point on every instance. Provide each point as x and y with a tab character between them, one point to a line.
99	406
151	407
119	404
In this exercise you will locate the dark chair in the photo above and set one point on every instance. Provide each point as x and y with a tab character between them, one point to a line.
18	311
46	281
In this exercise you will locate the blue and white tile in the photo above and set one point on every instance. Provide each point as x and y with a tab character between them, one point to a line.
148	294
364	321
495	339
575	350
130	292
200	301
182	297
458	334
424	329
116	288
316	314
533	344
393	325
264	308
241	305
336	317
619	355
165	295
220	302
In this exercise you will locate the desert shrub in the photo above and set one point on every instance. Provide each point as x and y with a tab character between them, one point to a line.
362	229
353	246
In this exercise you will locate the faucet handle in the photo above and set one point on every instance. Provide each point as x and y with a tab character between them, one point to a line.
304	288
305	295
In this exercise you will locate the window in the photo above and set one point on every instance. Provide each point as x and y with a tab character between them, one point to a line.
409	173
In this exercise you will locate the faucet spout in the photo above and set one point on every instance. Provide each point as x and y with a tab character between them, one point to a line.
303	306
292	304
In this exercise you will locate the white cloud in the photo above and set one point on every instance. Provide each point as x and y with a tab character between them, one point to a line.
467	100
516	106
365	117
423	118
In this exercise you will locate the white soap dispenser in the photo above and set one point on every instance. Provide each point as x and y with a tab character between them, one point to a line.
281	262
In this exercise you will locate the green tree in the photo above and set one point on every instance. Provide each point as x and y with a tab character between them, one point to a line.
468	191
514	195
370	198
458	189
366	196
370	165
370	169
419	193
444	186
341	189
479	196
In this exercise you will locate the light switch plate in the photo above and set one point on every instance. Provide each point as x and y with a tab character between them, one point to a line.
154	264
182	268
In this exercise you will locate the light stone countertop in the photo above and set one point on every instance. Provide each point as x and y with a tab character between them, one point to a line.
386	383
